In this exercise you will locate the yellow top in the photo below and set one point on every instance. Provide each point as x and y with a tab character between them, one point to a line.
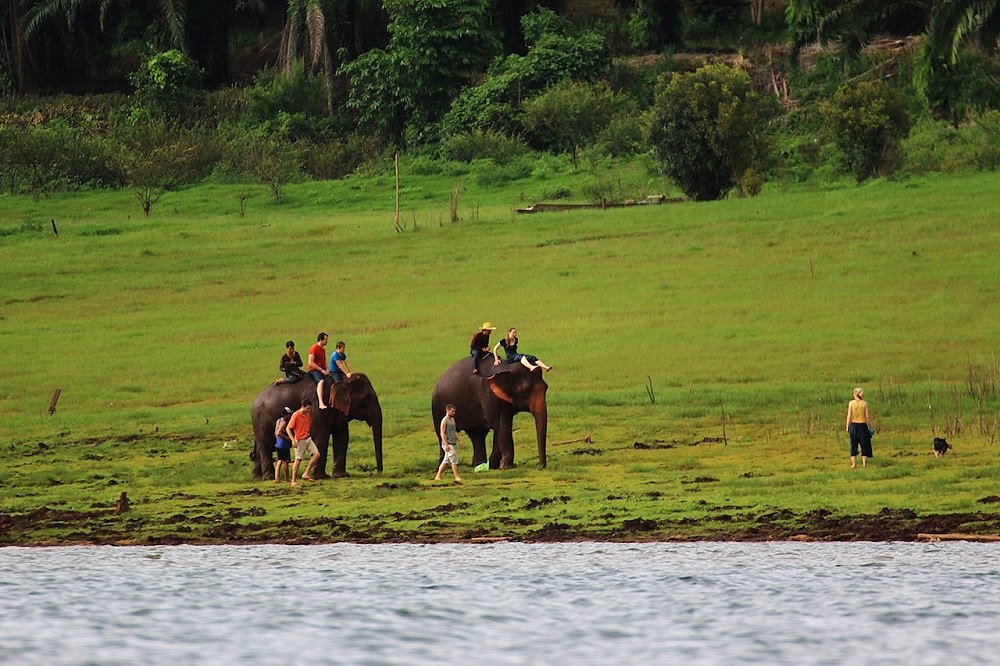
858	411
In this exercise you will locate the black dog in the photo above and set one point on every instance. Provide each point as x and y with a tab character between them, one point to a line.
941	446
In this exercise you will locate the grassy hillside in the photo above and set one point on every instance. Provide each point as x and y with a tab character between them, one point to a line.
708	350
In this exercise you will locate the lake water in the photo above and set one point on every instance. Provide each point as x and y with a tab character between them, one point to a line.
503	603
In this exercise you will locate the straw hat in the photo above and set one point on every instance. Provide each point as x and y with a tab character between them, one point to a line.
487	326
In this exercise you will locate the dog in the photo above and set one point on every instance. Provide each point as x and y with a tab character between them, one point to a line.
941	446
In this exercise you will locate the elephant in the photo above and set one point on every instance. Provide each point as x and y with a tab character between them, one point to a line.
351	399
489	401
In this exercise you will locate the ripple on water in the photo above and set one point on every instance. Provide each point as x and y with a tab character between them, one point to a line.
504	603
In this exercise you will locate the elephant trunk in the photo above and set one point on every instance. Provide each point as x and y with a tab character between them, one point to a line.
540	410
375	421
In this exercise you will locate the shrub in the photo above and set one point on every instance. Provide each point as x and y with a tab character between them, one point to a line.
570	114
264	158
937	146
708	128
868	121
477	144
623	136
167	83
161	156
337	158
46	158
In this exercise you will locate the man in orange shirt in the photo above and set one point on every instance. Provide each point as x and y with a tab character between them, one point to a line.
298	429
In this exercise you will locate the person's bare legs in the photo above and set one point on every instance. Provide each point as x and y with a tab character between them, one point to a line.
526	363
295	470
310	468
864	461
440	470
854	462
454	470
319	393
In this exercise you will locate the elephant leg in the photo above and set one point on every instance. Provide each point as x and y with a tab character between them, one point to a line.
321	437
503	439
341	438
262	459
478	438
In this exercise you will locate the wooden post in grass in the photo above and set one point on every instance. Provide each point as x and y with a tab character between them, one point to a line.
725	440
55	399
398	228
54	230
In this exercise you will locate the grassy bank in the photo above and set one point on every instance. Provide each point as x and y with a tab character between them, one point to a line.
707	350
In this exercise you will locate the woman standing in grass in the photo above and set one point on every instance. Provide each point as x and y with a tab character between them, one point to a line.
859	423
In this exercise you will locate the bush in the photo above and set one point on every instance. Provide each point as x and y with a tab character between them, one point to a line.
623	136
168	83
477	145
937	146
708	128
42	159
569	114
490	174
337	158
868	121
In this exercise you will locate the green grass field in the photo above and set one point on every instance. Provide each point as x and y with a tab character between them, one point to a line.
669	327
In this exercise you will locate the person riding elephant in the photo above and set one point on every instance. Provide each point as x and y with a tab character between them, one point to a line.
352	400
489	401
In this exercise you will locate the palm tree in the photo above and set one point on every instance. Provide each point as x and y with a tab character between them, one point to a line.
953	22
304	35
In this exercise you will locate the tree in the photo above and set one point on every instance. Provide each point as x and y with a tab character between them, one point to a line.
570	114
557	51
708	129
436	48
868	121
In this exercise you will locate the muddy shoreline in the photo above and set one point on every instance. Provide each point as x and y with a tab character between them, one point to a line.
48	527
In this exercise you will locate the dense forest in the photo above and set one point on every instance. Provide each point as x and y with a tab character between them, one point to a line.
721	95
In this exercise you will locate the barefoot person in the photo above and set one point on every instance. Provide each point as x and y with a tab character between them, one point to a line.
282	445
509	344
859	423
449	440
317	365
290	364
298	429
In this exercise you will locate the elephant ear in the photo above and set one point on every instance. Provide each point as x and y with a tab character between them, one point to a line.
341	395
499	387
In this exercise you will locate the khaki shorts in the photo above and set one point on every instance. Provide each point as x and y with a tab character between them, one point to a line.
452	456
305	448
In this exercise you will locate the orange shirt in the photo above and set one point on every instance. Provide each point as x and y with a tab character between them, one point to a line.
300	424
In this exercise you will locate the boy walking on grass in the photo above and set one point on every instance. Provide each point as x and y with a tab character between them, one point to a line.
449	440
298	428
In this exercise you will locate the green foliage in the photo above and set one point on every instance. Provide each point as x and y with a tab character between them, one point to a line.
477	144
868	121
51	157
159	156
293	105
435	48
622	136
259	156
934	146
954	88
708	128
557	51
570	114
337	158
168	83
651	25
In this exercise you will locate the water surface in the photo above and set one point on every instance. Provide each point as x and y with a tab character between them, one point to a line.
505	603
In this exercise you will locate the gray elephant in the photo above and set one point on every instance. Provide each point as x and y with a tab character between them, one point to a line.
489	401
351	400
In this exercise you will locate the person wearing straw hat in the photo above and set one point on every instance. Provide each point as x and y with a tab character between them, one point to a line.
480	345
